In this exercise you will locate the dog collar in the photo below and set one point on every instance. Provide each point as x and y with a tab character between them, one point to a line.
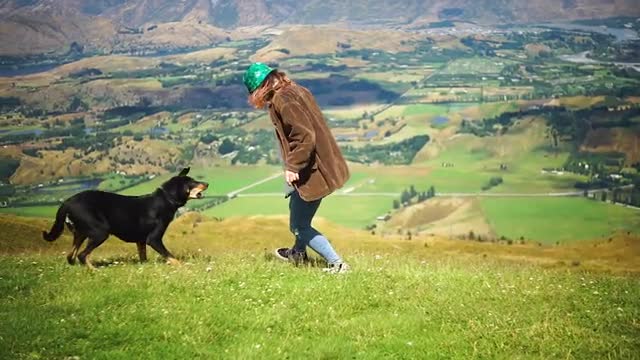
170	198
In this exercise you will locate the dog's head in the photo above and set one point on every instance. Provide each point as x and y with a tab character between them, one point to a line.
182	188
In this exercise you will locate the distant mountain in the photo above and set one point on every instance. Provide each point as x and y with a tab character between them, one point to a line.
38	26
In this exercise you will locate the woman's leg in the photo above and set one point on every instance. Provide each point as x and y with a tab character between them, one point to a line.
300	216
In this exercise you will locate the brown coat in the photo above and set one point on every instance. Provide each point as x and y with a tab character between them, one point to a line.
307	145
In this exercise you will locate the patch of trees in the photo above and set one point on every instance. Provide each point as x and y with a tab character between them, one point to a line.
226	147
164	69
70	131
480	47
321	67
8	166
133	112
398	153
620	195
593	163
88	72
208	138
489	127
493	182
77	104
9	103
408	195
99	142
566	124
30	152
575	125
256	146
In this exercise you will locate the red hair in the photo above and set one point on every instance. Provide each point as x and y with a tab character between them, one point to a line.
274	82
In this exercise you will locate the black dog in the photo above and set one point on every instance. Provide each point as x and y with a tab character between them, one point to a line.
140	219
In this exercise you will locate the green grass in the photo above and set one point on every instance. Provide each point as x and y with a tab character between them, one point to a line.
392	179
31	211
245	307
249	206
456	180
115	182
391	112
349	211
475	66
222	180
354	212
557	219
425	109
525	176
277	185
473	169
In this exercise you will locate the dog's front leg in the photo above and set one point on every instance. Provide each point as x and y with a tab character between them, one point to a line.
155	241
142	251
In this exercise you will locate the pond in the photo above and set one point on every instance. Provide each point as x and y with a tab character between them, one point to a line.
158	130
439	121
346	137
371	134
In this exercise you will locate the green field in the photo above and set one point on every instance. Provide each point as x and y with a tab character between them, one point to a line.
222	180
350	211
277	185
115	182
32	211
475	66
425	110
557	219
392	179
249	206
474	167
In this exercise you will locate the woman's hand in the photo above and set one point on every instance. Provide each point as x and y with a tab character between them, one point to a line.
291	177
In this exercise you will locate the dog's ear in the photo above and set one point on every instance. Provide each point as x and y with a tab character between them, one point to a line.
184	172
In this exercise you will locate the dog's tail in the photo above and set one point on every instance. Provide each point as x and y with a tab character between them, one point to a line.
58	226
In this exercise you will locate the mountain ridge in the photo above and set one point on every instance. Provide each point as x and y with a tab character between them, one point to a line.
52	25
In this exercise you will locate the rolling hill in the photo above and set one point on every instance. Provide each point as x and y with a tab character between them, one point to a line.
123	25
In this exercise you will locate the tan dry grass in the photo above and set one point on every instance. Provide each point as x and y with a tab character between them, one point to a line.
193	233
622	140
146	155
305	40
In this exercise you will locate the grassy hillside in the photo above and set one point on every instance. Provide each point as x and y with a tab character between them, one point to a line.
349	211
425	298
557	219
222	180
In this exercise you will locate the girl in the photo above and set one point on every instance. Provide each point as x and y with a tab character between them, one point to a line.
314	166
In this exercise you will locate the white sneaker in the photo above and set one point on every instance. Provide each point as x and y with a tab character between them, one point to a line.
339	268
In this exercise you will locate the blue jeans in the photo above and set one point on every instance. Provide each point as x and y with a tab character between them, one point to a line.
300	216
